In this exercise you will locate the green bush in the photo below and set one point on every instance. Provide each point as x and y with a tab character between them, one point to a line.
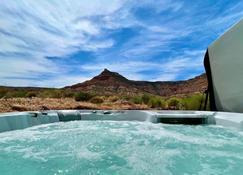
31	94
174	103
51	93
156	102
68	94
193	102
3	92
56	94
113	98
146	98
127	98
137	100
46	93
16	94
96	100
82	96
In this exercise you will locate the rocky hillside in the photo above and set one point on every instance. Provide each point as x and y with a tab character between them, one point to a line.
112	83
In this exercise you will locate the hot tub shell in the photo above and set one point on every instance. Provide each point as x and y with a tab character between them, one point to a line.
20	120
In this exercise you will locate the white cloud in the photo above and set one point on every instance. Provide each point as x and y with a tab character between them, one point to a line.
34	30
166	70
53	28
57	81
60	81
166	77
21	68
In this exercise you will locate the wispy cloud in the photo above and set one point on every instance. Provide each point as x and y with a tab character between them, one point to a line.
30	31
164	70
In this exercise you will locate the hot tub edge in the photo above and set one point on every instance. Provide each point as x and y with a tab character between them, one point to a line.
20	120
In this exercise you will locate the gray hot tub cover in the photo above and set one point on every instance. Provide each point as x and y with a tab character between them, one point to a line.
224	68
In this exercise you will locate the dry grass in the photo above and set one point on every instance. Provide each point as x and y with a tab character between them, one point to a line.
33	104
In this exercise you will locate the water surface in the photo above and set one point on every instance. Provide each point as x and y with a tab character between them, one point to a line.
105	147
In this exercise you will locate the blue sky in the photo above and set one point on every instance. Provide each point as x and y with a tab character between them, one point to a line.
54	43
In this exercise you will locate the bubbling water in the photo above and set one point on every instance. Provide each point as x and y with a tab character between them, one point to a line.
109	147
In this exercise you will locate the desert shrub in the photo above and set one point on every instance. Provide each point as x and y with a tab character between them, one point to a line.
127	98
31	94
68	94
193	102
51	93
113	98
54	93
174	103
146	98
96	100
156	102
42	94
82	96
137	100
45	93
57	94
3	92
16	94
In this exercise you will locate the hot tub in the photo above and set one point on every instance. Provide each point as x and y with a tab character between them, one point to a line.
121	142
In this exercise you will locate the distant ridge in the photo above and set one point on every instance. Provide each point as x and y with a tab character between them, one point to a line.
112	83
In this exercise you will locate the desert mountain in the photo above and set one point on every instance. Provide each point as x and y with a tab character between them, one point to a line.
112	83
